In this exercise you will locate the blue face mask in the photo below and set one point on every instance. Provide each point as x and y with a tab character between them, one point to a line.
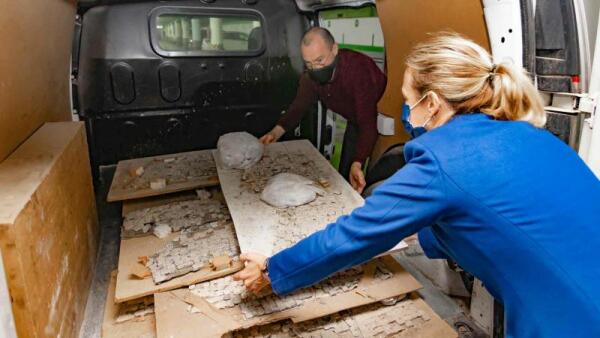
413	131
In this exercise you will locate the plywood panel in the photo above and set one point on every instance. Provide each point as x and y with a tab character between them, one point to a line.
404	24
265	229
36	40
49	230
181	172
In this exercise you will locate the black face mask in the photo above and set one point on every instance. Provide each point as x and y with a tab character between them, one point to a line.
323	75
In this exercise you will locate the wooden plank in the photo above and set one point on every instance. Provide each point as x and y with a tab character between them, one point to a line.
265	229
171	307
49	230
129	288
182	171
35	88
137	328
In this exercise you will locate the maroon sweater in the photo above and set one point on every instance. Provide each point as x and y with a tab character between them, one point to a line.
354	91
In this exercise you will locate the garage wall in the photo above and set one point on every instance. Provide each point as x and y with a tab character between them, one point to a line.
35	37
408	22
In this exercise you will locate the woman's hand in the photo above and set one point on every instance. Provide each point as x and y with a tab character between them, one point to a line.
357	178
272	136
253	275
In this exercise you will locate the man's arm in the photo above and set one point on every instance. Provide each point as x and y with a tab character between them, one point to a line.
408	201
366	96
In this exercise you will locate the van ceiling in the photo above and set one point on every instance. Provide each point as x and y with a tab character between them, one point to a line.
303	5
313	5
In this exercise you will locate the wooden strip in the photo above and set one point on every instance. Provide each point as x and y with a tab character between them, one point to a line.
144	327
129	287
124	175
265	229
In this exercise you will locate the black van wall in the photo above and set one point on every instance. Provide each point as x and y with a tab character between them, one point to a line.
137	103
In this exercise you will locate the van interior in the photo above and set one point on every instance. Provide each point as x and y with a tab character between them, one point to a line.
86	84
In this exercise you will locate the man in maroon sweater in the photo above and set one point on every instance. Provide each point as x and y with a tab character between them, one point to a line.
347	82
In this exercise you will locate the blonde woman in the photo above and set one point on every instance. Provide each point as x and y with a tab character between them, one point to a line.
483	185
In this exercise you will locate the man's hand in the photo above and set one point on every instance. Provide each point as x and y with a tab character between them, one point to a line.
272	136
357	178
252	275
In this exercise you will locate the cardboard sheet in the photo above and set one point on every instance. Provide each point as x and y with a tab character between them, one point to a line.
172	308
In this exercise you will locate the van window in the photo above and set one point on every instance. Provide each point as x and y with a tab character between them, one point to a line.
190	34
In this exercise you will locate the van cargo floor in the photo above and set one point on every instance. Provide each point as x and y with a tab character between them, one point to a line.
110	219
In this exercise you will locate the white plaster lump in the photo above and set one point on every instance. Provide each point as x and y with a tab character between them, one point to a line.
290	190
239	150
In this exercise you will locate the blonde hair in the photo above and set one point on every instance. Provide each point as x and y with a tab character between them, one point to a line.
464	74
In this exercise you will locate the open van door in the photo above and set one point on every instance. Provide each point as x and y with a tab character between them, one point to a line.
589	148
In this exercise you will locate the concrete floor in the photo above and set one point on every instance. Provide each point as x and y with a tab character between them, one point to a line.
448	308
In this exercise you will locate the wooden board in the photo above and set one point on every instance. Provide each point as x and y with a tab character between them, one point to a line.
171	307
172	311
49	230
143	327
120	188
35	73
129	288
461	16
265	229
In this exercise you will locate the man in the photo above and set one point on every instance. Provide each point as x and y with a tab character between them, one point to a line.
347	82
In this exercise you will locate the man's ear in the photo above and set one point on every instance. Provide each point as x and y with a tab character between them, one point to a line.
335	49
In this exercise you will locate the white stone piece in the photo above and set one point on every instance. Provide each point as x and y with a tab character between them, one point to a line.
203	194
139	171
239	150
162	230
290	190
157	184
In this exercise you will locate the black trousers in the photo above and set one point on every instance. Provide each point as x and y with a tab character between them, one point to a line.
348	150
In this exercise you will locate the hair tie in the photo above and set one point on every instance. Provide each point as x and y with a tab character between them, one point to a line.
492	71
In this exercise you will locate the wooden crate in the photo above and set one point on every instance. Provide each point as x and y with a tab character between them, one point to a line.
49	230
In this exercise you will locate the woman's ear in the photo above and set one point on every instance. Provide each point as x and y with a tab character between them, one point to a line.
433	104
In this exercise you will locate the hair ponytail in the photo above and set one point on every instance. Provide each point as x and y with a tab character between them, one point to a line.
462	72
515	97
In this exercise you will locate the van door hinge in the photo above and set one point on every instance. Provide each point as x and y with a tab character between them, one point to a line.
588	104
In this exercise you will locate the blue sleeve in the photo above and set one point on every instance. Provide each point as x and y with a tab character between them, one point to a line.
430	244
411	199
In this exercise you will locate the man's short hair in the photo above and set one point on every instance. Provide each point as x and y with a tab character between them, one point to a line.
325	34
